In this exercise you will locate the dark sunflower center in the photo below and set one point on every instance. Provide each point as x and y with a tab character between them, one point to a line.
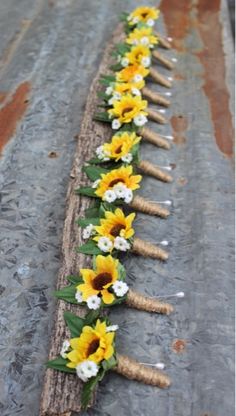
115	181
118	150
126	110
93	346
144	14
115	231
101	280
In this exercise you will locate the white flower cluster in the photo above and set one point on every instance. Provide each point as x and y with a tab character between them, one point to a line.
102	154
88	231
140	120
86	370
64	349
119	191
120	288
135	20
106	245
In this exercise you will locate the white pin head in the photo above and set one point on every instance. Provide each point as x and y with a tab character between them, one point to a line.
160	366
164	243
170	39
180	295
168	94
170	78
174	59
162	111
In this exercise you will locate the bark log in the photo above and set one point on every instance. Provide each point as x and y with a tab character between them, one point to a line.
61	392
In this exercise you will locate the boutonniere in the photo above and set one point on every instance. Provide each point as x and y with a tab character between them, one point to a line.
113	233
104	286
117	186
124	148
144	16
91	351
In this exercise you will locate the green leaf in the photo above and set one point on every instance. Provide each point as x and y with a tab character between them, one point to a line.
83	222
102	117
110	78
123	16
89	248
60	365
94	172
87	191
89	387
74	323
116	67
122	272
95	161
67	294
92	212
91	317
108	364
74	279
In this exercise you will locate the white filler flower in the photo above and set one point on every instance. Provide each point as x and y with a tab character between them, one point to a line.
150	22
87	232
124	62
128	196
109	91
86	370
138	78
140	120
64	348
121	244
105	244
115	124
127	158
112	328
146	61
93	302
109	196
78	296
120	190
120	288
96	183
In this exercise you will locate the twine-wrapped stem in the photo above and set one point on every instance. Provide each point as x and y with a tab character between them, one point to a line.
163	41
155	116
164	61
154	138
133	370
160	79
148	168
155	98
142	205
144	303
146	249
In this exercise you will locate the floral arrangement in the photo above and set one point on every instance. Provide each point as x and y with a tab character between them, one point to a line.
108	229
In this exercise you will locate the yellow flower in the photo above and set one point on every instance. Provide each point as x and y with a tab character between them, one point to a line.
129	73
123	175
142	36
115	224
139	54
143	14
98	281
121	145
94	344
127	108
127	87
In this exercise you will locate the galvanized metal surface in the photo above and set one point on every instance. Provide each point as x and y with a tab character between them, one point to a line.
49	54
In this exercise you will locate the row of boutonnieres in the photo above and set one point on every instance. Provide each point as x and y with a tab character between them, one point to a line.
91	350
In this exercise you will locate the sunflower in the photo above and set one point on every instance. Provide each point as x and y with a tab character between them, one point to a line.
127	108
144	15
142	36
98	281
115	224
139	54
94	344
123	175
120	145
131	72
128	87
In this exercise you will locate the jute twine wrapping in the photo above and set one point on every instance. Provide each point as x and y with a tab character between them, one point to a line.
154	138
166	62
162	41
142	205
148	168
154	97
137	301
133	370
146	249
155	116
157	77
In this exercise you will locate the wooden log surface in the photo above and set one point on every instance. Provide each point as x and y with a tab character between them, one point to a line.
61	392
